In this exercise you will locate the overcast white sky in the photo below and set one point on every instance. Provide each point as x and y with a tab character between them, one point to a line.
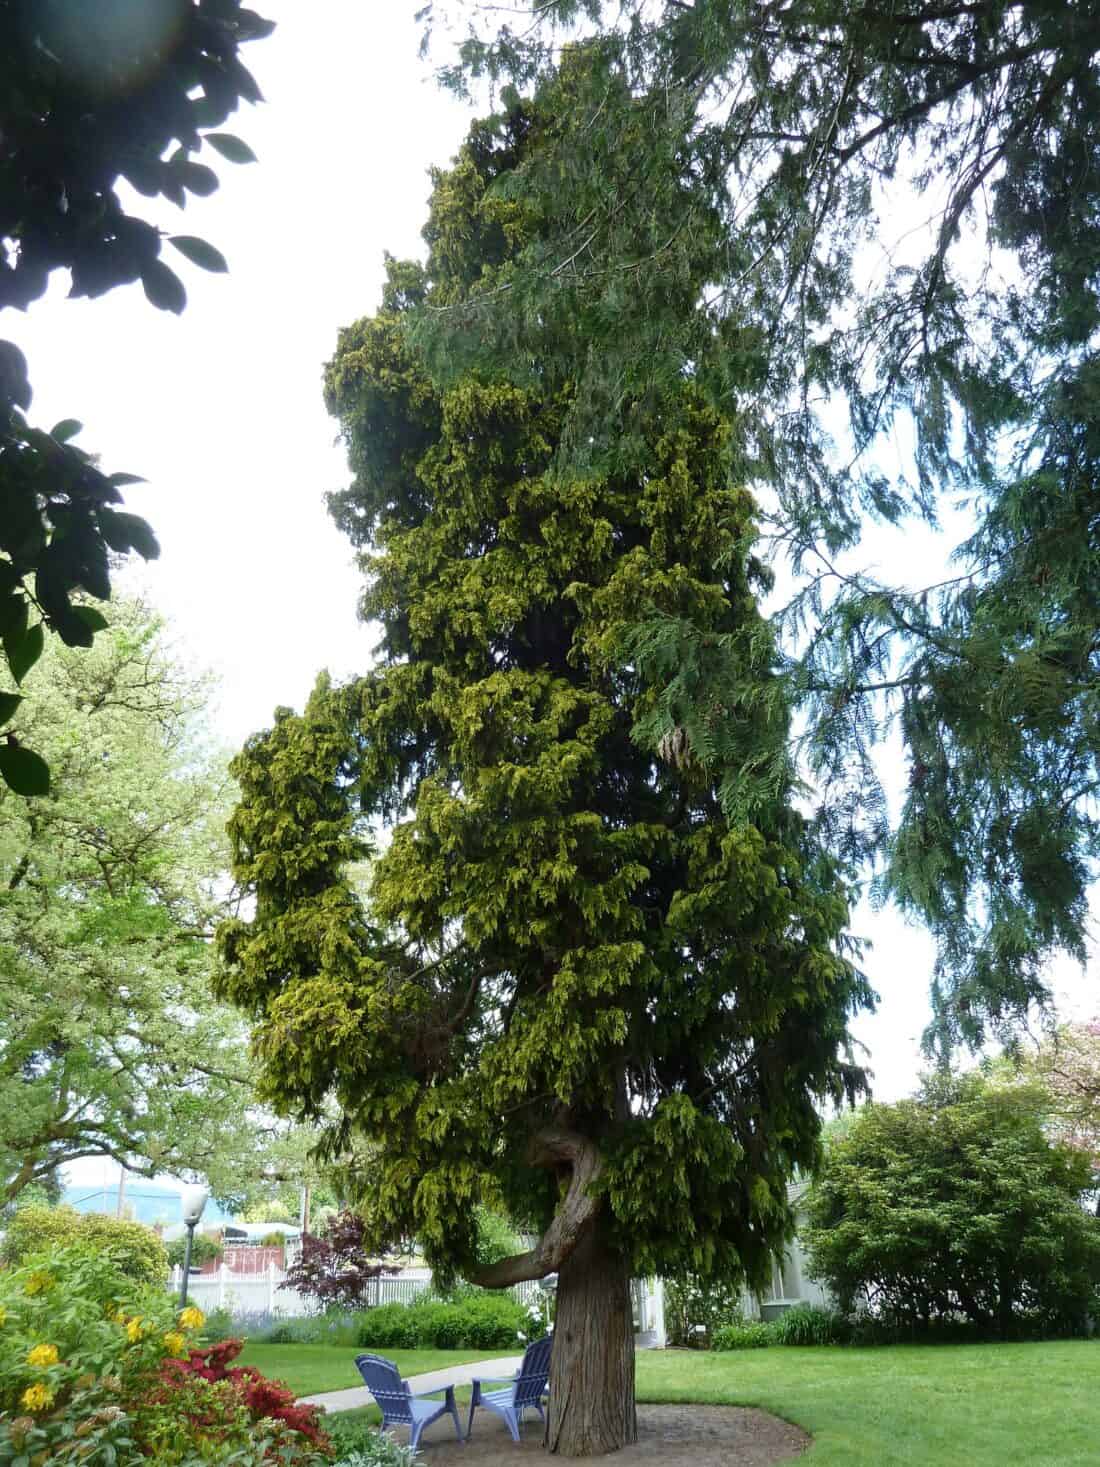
221	411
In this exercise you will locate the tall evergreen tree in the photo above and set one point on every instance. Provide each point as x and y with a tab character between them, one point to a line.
781	159
579	991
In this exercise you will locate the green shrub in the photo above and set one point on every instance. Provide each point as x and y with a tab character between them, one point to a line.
389	1327
690	1303
219	1325
986	1215
807	1324
79	1345
496	1238
749	1335
474	1322
135	1250
203	1251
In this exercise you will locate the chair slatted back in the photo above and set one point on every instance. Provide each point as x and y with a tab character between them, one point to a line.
383	1380
533	1372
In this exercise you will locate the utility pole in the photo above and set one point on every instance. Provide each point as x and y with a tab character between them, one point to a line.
121	1188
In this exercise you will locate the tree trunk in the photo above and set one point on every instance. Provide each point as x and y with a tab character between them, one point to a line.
592	1370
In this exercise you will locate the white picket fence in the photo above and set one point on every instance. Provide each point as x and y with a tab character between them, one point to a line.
252	1293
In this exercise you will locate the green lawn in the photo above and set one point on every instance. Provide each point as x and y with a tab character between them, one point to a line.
308	1369
908	1406
902	1406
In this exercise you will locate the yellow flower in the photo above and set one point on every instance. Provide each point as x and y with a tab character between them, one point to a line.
192	1318
174	1342
42	1355
134	1330
37	1398
38	1282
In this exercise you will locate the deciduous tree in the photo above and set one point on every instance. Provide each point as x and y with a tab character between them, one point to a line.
90	96
579	991
110	1042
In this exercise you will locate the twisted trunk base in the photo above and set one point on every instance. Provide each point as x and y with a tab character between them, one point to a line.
591	1408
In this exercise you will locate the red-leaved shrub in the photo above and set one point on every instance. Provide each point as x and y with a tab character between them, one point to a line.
263	1398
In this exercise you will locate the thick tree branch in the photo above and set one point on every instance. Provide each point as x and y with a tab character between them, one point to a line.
554	1148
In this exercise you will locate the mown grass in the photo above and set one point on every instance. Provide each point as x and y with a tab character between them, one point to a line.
1036	1405
308	1369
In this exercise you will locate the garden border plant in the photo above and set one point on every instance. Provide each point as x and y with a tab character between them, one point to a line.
100	1369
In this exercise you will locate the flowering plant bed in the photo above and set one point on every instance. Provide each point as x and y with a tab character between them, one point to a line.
96	1369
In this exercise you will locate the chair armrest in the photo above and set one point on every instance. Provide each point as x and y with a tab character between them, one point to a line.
494	1380
448	1390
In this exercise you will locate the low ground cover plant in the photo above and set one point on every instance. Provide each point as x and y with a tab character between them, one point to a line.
333	1327
360	1445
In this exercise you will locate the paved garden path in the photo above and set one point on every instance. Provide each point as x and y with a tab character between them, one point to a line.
435	1380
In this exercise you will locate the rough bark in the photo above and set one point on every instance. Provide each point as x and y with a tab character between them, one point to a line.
591	1409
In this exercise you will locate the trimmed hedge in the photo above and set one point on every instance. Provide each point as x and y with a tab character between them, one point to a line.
482	1322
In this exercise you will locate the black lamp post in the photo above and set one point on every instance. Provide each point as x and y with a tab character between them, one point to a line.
194	1200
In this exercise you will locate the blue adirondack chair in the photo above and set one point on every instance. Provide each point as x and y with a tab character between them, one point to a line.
526	1388
399	1406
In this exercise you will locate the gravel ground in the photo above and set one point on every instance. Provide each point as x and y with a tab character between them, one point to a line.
676	1436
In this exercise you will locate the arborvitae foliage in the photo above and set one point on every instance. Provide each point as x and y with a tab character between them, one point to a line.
737	190
580	992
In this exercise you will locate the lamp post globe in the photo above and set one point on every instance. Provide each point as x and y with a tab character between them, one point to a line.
193	1201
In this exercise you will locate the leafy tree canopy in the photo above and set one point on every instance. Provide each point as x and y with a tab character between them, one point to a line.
958	1203
90	95
580	992
735	191
110	1044
1066	1067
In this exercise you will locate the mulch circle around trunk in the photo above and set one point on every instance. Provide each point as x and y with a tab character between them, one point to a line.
676	1436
